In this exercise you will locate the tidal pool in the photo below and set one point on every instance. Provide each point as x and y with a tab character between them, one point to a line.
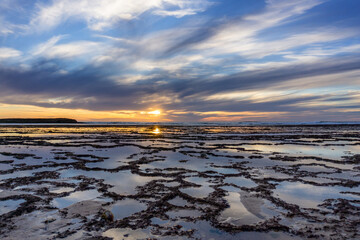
180	182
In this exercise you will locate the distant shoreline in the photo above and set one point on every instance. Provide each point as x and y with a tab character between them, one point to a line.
38	120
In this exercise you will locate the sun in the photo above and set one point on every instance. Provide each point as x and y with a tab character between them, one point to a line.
156	112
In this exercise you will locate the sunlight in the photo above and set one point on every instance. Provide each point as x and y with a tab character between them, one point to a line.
156	112
156	131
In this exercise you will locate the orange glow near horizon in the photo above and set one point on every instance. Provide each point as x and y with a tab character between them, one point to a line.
26	111
151	115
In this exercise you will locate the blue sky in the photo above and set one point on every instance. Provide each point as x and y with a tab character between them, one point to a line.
180	60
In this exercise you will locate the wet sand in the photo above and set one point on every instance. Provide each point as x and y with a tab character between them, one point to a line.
180	182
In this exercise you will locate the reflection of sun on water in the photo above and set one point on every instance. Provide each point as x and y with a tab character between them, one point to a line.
156	131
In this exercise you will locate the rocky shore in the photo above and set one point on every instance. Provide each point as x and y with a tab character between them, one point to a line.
279	182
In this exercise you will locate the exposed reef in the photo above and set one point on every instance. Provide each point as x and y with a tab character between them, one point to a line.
85	182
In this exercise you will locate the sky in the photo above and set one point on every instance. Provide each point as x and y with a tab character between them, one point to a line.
180	60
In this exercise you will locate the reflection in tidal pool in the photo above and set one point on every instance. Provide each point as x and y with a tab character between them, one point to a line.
310	196
9	205
76	197
126	208
180	182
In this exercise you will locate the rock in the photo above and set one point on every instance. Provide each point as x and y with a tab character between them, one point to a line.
108	216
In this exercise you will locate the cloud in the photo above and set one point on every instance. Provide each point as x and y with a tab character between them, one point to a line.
201	43
6	53
44	83
70	50
210	68
9	8
5	28
227	41
44	47
8	28
90	52
239	35
258	49
100	15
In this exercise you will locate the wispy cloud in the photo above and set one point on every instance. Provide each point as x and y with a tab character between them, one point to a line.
5	28
208	67
8	28
51	49
100	15
6	53
236	35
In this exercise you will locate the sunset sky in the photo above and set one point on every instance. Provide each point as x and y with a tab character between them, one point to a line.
180	60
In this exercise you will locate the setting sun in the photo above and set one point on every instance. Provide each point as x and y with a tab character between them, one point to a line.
156	112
